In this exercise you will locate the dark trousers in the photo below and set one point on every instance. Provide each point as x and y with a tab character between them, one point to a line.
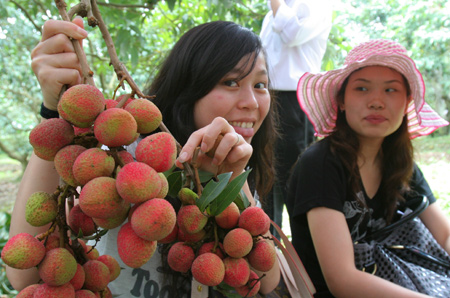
296	133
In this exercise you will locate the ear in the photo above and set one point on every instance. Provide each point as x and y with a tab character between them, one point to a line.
341	107
408	101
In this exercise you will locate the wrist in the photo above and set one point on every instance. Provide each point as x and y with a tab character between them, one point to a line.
47	113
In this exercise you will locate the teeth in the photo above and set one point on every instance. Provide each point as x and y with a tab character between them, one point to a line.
242	124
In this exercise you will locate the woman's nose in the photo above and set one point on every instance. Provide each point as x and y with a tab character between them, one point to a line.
248	99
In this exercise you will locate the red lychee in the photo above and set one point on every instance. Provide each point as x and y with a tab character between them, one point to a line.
48	137
237	271
194	237
187	196
146	113
47	291
164	186
58	267
171	237
133	250
81	104
209	247
238	243
154	219
99	198
92	163
112	264
254	220
28	292
158	150
113	221
262	257
97	275
110	103
229	217
137	182
180	257
251	288
208	269
79	221
64	160
78	279
190	219
84	294
125	157
23	251
40	209
115	127
121	98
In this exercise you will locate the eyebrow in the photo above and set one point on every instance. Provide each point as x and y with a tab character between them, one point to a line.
386	82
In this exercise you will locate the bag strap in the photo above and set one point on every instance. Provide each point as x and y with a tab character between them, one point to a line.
423	204
296	278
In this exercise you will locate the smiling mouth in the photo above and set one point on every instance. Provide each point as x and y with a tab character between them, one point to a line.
242	124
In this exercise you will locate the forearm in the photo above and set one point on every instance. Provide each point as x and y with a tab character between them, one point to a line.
275	4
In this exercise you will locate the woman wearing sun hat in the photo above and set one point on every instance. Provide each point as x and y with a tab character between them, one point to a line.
351	182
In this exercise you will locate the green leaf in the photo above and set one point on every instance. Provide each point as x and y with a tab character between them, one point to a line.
229	194
205	176
175	181
212	190
241	200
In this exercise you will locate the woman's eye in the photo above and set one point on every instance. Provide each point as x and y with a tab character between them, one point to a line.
390	90
231	83
361	88
261	86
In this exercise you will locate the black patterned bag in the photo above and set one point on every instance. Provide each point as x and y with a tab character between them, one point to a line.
406	254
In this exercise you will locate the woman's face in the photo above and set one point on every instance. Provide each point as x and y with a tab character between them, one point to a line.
243	103
375	101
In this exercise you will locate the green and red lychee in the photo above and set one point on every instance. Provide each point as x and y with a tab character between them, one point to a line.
194	237
212	247
237	271
80	222
40	209
146	114
125	157
164	186
49	136
254	220
252	287
208	269
97	275
190	219
23	251
112	264
48	291
187	196
154	219
113	222
28	292
92	163
137	182
58	267
262	257
64	160
83	293
171	237
81	104
180	257
158	150
133	250
78	279
115	127
237	243
229	217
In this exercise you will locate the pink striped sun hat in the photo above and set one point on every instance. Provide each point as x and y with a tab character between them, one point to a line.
317	92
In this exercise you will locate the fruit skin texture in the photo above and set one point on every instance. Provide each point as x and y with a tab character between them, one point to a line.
58	267
254	220
195	237
40	209
81	104
64	160
180	257
113	221
252	286
158	150
208	269
164	186
99	198
47	291
48	137
137	182
112	264
187	196
262	256
78	220
84	294
23	251
78	279
92	163
125	157
115	127
133	250
237	271
28	291
171	237
154	219
190	219
97	275
229	217
238	243
146	114
209	247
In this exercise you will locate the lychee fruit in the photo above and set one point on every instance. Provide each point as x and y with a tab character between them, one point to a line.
158	150
113	221
251	288
112	264
254	220
81	104
79	221
121	98
48	291
154	219
212	247
48	137
64	160
208	269
125	157
133	250
85	294
229	217
50	242
164	186
28	292
78	279
137	182
237	271
40	209
91	252
238	243
58	267
23	251
99	198
190	219
97	275
146	114
171	237
262	257
187	196
115	127
180	257
92	163
110	103
194	237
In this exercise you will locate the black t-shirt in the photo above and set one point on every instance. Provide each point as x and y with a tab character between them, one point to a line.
320	180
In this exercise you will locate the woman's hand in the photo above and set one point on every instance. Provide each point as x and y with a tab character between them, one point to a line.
54	61
231	154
